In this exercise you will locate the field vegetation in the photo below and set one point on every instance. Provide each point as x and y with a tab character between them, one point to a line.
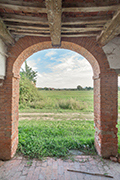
72	128
41	138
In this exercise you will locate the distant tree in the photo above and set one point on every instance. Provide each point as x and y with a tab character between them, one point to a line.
79	87
29	73
46	88
88	88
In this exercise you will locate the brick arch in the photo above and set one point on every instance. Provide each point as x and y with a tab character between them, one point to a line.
87	47
64	45
105	92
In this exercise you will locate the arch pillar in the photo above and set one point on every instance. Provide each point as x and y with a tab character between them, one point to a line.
105	114
9	101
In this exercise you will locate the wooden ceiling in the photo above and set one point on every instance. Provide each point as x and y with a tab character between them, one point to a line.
59	18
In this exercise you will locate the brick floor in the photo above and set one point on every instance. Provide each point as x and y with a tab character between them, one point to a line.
20	168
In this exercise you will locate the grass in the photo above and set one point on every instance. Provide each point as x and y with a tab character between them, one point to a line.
118	126
42	138
62	101
118	101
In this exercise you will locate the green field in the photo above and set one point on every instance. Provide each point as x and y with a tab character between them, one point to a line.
62	101
70	126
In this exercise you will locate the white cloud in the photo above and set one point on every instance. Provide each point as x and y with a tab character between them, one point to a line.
51	53
38	59
32	64
70	63
70	72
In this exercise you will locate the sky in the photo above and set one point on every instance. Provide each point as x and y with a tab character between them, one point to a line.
60	68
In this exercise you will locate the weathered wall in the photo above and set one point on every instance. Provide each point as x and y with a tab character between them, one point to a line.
112	51
105	92
3	50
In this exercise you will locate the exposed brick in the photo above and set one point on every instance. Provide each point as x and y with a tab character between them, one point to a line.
105	92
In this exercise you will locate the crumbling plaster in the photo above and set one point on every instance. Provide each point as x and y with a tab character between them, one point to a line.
3	50
112	51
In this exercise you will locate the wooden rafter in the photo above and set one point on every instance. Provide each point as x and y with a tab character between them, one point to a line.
63	30
25	7
32	34
79	35
30	30
33	27
54	10
5	34
65	21
48	35
85	20
24	19
86	29
91	9
38	7
111	30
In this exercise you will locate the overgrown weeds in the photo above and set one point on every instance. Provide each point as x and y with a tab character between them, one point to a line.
57	100
28	93
44	138
71	103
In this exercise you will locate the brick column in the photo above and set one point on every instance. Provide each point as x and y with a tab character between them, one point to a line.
9	96
105	114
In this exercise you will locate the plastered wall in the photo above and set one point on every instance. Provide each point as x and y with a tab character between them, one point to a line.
112	51
3	55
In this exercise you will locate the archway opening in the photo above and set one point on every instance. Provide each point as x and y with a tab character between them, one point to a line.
105	92
65	109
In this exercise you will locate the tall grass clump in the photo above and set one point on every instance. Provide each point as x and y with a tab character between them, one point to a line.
28	93
70	104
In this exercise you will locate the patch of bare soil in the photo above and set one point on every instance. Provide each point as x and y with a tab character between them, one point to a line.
56	116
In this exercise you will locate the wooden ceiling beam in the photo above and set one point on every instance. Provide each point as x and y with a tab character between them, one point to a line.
87	4
25	8
29	31
64	30
21	26
54	10
34	7
112	29
5	34
65	21
85	20
78	35
31	34
91	9
48	35
23	3
24	19
86	29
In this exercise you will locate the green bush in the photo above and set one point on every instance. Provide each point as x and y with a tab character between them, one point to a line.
28	93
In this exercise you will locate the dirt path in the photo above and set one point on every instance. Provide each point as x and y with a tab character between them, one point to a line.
56	116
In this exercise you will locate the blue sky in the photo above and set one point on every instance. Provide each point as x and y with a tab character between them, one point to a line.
60	68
